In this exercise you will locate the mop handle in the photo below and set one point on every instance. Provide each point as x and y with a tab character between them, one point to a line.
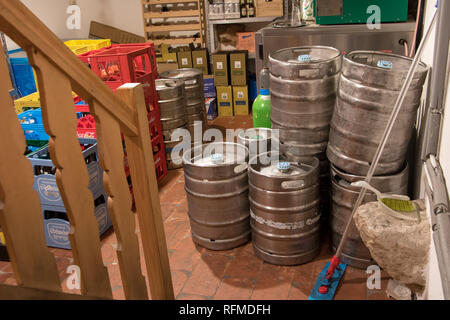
384	140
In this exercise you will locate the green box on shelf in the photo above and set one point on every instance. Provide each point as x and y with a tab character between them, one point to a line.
359	11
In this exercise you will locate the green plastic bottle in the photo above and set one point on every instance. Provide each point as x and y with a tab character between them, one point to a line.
261	105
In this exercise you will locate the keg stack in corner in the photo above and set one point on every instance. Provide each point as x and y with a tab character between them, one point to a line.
195	96
303	85
172	102
369	85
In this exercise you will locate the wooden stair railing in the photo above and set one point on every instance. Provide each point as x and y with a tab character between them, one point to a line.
60	72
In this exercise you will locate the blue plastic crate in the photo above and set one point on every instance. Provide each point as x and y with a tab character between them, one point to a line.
23	72
44	174
35	132
31	117
57	226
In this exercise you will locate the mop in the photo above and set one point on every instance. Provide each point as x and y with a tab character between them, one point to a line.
328	280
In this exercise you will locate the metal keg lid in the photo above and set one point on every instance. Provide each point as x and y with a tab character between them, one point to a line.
381	69
282	169
169	89
255	134
216	154
189	76
305	62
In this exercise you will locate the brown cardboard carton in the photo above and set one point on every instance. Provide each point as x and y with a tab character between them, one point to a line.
240	100
220	69
225	101
272	8
200	60
238	68
184	59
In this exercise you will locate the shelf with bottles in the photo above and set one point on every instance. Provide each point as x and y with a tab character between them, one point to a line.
162	17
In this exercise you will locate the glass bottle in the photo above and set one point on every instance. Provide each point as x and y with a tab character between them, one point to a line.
251	9
243	9
262	104
296	13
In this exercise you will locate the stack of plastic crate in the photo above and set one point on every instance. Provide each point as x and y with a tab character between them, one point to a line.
56	223
134	63
33	126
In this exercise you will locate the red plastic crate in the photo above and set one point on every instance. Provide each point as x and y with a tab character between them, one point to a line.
127	64
86	57
160	164
86	128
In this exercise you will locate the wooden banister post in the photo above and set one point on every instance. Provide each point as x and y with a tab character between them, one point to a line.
145	187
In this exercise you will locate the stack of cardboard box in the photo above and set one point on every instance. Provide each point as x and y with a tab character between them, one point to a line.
197	58
230	78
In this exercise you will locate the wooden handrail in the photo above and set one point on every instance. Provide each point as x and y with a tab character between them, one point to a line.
59	72
34	35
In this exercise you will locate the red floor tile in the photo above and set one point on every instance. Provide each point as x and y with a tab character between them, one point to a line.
207	275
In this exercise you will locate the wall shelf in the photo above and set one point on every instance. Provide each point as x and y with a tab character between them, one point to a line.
151	27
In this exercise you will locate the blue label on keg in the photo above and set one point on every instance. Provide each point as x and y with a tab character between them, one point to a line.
304	58
283	166
385	64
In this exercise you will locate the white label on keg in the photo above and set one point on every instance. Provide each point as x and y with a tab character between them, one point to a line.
184	61
240	94
199	60
224	96
219	65
240	168
237	64
309	73
292	184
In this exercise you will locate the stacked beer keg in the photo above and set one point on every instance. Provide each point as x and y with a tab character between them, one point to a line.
303	84
172	102
284	208
368	89
216	184
195	96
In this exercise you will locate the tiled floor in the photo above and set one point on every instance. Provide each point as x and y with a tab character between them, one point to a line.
198	273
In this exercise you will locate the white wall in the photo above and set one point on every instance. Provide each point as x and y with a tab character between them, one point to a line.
122	14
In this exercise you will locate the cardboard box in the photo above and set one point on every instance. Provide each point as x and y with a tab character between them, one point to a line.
200	60
184	59
238	68
167	56
166	66
246	41
220	68
225	101
102	31
209	87
211	108
240	99
272	8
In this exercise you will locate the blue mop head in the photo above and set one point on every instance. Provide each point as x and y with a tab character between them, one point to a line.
332	283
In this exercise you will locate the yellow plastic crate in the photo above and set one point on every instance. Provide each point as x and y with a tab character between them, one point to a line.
92	44
2	238
32	101
76	49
